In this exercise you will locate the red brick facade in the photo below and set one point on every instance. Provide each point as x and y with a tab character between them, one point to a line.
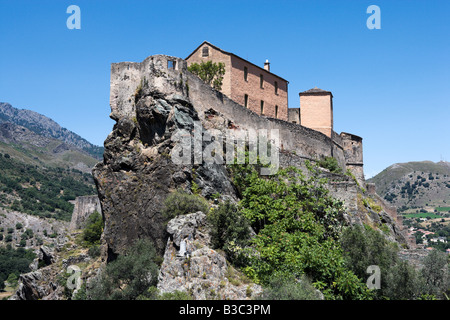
246	83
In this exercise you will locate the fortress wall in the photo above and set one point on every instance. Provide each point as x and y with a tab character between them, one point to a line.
84	207
308	143
126	77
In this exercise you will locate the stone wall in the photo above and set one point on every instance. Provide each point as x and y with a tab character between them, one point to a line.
353	154
84	207
126	77
294	115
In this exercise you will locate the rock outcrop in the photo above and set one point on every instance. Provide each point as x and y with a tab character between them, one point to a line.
137	173
191	265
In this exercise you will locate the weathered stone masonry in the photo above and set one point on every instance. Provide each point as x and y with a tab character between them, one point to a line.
126	77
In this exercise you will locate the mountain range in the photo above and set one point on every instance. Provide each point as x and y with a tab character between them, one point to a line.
46	127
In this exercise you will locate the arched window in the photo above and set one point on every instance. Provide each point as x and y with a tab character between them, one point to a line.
276	87
245	73
276	112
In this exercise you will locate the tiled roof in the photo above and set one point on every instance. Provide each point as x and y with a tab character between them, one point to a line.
316	90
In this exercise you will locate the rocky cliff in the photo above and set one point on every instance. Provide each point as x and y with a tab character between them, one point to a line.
137	173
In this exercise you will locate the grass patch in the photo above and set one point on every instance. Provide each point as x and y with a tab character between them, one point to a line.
422	215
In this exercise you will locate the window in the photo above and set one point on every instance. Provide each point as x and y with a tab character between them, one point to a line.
261	81
276	87
245	73
205	51
262	107
246	100
276	112
171	64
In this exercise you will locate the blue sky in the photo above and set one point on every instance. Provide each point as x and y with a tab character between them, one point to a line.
391	86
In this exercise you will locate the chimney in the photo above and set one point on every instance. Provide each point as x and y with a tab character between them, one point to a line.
267	65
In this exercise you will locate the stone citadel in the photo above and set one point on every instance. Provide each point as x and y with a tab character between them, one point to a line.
153	99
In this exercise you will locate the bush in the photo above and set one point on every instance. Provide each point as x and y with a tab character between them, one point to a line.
403	282
436	275
129	276
229	228
180	202
93	230
297	225
283	287
364	247
94	251
330	163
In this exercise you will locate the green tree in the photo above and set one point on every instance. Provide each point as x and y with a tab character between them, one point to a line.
12	279
403	282
435	273
364	247
210	72
129	276
93	230
297	225
229	229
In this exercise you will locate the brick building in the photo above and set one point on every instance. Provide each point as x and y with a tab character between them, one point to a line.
246	83
316	110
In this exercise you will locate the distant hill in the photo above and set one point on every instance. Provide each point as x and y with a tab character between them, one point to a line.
46	127
415	185
34	149
43	167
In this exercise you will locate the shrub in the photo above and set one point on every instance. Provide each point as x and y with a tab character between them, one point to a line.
129	276
287	287
229	228
403	282
364	247
94	251
94	228
297	224
330	163
435	272
180	202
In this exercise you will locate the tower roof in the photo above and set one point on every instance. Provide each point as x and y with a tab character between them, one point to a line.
317	91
